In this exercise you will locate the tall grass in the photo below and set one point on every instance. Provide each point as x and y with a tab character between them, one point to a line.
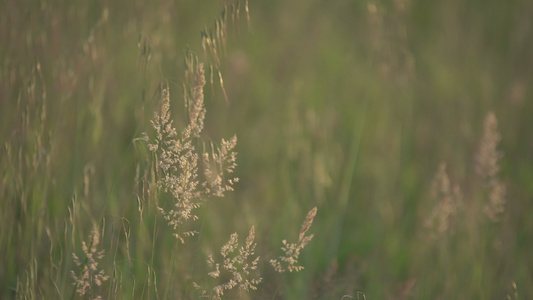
172	173
172	150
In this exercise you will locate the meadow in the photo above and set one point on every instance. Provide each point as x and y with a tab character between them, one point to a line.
266	149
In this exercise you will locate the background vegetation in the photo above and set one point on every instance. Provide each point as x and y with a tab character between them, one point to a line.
350	106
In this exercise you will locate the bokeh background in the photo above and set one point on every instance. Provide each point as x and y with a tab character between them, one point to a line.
350	106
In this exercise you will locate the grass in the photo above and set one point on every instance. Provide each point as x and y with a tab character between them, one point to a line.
399	129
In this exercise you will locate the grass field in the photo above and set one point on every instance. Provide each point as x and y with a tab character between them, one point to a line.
178	149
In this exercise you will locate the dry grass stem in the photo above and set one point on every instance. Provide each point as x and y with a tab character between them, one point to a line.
289	261
488	166
496	206
178	159
449	200
488	156
89	274
237	267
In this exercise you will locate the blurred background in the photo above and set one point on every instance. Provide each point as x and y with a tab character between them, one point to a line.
350	106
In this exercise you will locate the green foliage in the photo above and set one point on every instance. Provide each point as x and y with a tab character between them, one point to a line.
375	112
